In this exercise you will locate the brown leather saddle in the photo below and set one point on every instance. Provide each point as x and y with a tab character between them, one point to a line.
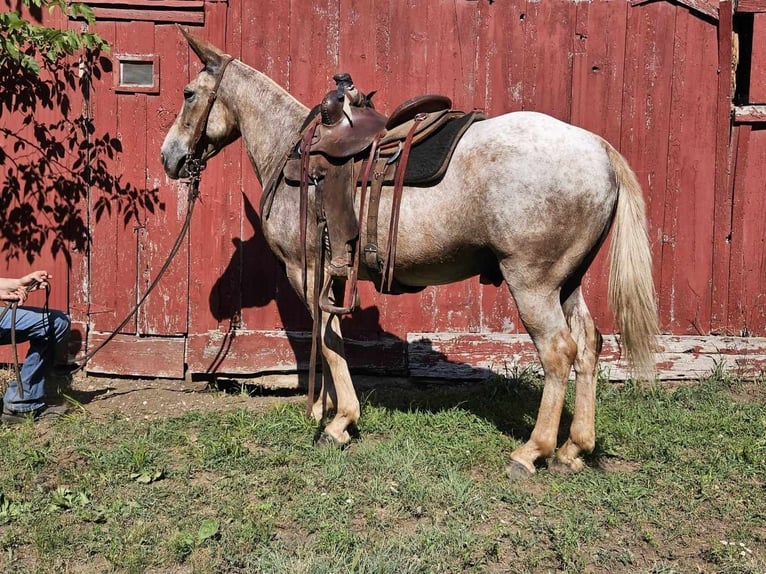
348	147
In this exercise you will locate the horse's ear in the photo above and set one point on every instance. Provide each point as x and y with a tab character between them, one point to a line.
206	52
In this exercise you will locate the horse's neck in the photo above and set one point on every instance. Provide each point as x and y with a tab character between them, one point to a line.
269	121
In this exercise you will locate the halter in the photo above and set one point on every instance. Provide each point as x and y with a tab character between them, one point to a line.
195	166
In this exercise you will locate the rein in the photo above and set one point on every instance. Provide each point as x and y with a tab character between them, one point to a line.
194	168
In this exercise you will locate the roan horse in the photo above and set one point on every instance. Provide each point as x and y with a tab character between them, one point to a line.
525	196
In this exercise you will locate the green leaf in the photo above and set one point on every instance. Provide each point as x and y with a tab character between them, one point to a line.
208	529
147	476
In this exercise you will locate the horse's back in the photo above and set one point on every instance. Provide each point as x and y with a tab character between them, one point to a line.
523	185
525	141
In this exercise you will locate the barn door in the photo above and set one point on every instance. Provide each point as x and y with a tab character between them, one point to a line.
132	106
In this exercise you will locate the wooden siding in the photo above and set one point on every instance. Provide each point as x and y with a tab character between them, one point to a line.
653	78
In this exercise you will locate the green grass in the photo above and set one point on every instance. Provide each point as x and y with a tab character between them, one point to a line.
676	484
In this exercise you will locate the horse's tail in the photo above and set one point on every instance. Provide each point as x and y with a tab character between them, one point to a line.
631	288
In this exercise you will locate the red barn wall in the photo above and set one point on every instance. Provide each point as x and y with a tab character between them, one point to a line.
646	76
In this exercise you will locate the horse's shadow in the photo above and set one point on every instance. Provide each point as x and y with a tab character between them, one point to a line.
509	402
254	278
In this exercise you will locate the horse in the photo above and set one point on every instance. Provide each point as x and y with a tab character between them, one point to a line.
526	197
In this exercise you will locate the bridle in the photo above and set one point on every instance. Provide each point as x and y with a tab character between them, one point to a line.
194	168
194	164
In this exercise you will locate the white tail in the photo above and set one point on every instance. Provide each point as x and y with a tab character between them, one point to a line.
631	288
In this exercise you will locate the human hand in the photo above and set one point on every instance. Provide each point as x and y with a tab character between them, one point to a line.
35	280
18	295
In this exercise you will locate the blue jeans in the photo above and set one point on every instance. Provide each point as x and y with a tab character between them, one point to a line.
46	331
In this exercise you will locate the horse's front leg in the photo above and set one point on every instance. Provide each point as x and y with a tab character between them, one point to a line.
340	388
326	399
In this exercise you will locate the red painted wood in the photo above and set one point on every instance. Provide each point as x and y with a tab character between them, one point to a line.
723	196
751	6
547	62
180	16
499	69
176	4
113	258
689	215
164	312
752	229
748	266
279	351
757	92
597	100
650	37
139	356
132	123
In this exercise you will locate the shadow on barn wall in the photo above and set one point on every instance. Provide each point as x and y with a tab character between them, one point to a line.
53	160
254	278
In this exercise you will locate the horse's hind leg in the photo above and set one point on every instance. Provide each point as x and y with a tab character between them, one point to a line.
544	320
582	433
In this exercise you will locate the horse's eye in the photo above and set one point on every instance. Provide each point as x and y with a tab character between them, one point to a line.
188	94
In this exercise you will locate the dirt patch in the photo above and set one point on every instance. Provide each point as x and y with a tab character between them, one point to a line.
160	398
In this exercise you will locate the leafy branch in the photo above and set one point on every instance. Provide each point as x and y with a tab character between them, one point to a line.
54	166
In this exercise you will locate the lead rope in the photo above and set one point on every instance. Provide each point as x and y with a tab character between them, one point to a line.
195	170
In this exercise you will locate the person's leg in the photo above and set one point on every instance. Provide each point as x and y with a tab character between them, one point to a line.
45	331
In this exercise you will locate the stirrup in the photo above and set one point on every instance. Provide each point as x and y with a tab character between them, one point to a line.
324	298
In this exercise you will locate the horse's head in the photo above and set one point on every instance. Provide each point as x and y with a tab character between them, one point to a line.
205	124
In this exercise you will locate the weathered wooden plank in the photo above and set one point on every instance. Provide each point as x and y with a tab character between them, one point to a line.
134	15
721	240
748	270
252	352
164	312
450	69
646	119
314	45
690	216
499	56
161	4
597	100
356	42
138	356
408	51
549	28
460	356
750	114
113	244
133	38
751	5
737	311
706	7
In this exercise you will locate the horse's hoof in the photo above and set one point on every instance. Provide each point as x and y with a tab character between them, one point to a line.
326	440
517	471
558	466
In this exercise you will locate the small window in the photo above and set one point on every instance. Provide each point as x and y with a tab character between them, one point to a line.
137	74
